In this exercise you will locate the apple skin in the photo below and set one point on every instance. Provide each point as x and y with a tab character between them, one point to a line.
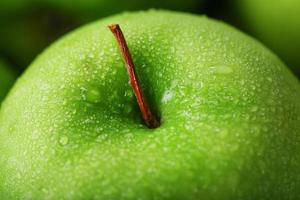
7	78
230	116
276	23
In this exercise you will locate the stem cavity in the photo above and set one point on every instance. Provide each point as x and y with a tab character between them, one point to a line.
150	120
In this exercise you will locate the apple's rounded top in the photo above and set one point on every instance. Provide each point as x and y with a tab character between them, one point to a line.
229	108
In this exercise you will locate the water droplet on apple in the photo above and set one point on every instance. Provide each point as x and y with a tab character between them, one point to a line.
223	133
99	129
167	96
27	195
127	108
35	135
129	136
101	53
93	95
65	102
128	93
83	93
64	140
270	79
254	109
102	137
91	56
189	127
221	69
200	85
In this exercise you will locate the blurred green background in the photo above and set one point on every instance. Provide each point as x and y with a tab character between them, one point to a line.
29	26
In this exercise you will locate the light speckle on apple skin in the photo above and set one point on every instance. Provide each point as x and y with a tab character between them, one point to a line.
227	133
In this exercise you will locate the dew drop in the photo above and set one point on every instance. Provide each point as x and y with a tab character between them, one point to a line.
270	79
189	127
35	135
127	108
99	129
91	56
65	102
254	109
64	140
223	133
200	85
129	136
83	93
102	137
128	93
167	96
93	95
221	69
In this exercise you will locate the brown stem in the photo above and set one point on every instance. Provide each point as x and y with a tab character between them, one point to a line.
150	120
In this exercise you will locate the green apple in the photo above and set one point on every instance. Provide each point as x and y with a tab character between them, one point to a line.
229	108
28	26
277	24
7	78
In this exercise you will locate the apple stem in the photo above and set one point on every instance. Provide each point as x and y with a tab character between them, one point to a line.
149	119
